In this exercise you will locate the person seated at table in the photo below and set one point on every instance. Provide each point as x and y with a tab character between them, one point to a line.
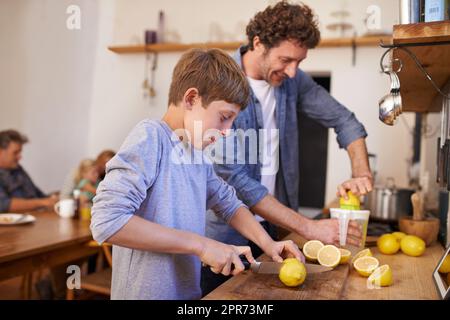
87	179
102	160
18	193
69	182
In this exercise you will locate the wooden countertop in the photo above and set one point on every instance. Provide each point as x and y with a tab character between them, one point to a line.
412	280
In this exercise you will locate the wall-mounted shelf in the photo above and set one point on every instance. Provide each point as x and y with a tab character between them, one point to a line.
418	94
179	47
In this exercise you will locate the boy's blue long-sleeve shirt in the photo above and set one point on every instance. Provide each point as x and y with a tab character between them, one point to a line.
149	177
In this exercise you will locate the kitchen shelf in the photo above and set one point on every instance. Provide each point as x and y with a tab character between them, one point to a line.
418	94
365	41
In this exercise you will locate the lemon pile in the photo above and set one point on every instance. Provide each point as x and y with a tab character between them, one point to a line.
410	245
292	272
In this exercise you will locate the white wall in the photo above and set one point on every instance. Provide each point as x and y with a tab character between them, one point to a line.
105	88
46	89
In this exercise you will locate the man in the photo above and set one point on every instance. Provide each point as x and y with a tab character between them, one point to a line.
279	38
17	191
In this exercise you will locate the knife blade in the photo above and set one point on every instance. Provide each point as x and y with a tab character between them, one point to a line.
271	267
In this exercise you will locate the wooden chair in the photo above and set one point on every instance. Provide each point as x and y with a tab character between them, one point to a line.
98	282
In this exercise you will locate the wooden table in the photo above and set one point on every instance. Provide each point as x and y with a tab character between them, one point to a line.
412	280
48	242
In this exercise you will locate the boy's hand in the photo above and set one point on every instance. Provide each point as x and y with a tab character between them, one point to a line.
283	249
220	257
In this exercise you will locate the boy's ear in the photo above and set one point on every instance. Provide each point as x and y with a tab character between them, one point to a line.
190	98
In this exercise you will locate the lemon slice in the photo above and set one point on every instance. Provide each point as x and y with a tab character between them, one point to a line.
311	248
345	255
381	276
362	253
329	256
366	265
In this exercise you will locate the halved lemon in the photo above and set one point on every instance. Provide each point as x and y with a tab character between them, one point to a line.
345	255
329	256
381	276
311	248
362	253
366	265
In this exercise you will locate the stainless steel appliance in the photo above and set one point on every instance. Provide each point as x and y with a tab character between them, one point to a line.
388	203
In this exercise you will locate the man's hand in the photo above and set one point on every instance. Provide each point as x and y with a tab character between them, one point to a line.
220	257
358	186
327	231
283	249
49	202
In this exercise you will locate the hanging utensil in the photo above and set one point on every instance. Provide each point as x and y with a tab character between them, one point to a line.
390	105
151	89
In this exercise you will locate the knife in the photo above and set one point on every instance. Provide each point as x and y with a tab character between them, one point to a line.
271	267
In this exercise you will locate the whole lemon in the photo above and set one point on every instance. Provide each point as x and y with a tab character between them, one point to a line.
399	235
388	244
292	273
412	246
445	266
352	203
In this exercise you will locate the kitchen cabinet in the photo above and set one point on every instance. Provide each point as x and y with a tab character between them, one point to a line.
418	94
412	280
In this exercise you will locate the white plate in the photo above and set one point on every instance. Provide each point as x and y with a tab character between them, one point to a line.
8	219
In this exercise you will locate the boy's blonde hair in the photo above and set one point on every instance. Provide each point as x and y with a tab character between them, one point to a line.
85	165
213	73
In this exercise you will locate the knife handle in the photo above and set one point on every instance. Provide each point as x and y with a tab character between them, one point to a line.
244	262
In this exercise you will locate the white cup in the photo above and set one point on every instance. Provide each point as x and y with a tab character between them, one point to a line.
65	208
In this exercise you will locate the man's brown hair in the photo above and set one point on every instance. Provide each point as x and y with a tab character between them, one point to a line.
213	73
8	136
284	21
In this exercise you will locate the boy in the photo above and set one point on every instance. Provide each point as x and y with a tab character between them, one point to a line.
152	203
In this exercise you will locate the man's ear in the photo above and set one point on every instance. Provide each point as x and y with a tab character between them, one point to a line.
190	98
258	45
